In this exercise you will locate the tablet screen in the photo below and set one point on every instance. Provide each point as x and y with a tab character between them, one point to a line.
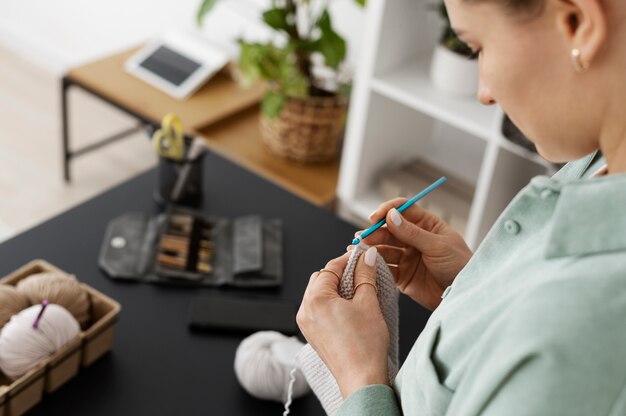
170	65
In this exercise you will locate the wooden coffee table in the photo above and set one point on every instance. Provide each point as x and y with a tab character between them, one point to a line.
222	112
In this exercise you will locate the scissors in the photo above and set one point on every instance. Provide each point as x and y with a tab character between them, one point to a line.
169	140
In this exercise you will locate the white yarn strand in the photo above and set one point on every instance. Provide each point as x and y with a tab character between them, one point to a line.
22	346
292	380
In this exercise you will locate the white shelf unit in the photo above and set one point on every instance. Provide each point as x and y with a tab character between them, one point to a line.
398	115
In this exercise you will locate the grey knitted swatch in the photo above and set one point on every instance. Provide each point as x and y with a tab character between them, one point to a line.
308	361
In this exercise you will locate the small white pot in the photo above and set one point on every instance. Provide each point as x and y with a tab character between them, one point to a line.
454	73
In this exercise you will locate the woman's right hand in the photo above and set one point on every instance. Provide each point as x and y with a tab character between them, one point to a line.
428	252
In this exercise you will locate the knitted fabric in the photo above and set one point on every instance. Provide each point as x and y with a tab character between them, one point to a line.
315	371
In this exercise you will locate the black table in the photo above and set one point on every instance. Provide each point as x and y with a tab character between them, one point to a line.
157	366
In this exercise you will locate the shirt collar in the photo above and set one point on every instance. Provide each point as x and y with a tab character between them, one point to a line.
590	214
577	169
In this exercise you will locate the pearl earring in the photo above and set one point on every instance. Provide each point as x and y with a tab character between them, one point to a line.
579	64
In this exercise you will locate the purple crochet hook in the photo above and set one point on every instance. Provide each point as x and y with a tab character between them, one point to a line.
43	308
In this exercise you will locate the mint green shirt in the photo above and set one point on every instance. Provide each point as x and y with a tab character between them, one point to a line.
535	324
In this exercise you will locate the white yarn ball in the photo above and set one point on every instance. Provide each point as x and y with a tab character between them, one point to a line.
22	346
263	363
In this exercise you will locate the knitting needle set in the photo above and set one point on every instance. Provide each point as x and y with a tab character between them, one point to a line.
186	245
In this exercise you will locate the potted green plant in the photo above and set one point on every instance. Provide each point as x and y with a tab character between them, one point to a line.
303	112
453	67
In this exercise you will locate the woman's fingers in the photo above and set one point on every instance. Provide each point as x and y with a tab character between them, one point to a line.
406	223
382	236
323	288
415	214
395	272
409	233
365	277
329	276
392	255
380	212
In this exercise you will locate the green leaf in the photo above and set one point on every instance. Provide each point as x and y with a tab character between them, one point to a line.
273	103
277	19
257	61
205	7
361	2
333	48
330	44
265	61
293	83
324	22
248	65
306	45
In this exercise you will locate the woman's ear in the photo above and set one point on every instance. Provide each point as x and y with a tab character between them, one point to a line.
583	23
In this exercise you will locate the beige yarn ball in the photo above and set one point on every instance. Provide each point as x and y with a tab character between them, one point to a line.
11	302
60	289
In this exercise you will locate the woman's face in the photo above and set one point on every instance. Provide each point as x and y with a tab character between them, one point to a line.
525	67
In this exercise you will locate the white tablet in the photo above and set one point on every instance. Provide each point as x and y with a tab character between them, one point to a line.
177	63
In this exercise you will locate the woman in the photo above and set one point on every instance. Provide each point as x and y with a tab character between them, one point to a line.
533	323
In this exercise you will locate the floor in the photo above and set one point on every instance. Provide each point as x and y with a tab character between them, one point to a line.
32	189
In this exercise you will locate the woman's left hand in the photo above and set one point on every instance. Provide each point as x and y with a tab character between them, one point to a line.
350	336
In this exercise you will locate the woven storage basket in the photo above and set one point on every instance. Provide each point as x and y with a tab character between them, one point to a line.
307	130
18	396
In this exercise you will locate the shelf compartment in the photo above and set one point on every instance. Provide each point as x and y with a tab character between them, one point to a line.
395	135
392	134
451	202
410	85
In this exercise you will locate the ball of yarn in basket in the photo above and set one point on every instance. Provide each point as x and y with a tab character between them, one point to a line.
60	289
263	363
22	345
11	302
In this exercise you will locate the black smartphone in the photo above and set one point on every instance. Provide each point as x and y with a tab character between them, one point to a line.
241	314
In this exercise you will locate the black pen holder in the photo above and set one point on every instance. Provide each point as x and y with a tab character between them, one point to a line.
169	172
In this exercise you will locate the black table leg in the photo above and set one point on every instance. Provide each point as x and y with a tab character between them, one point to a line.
66	83
69	154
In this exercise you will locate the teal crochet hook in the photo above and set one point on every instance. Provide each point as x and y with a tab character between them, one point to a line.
402	208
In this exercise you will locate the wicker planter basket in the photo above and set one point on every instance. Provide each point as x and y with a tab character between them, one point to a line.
307	130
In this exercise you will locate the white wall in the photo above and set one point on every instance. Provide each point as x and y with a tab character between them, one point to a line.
58	34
